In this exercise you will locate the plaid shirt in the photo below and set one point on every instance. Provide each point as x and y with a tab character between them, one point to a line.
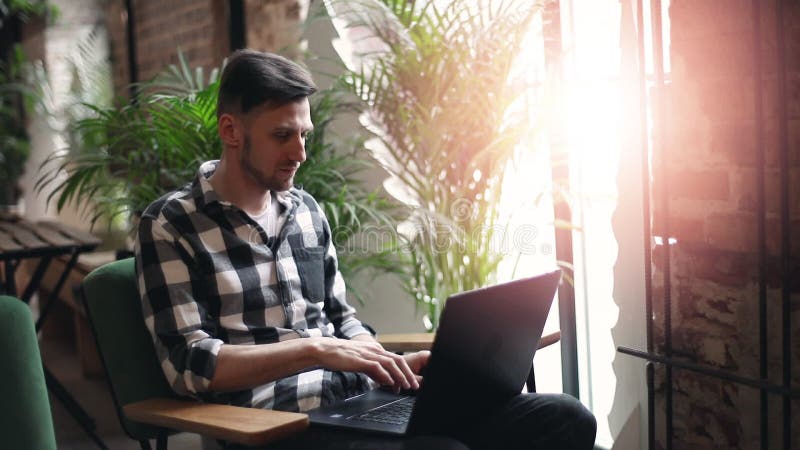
210	275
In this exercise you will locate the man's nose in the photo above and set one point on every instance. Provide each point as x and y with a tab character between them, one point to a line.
298	151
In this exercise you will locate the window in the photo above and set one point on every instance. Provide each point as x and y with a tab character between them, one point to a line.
597	123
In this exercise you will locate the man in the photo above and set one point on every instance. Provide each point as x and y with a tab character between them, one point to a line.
239	280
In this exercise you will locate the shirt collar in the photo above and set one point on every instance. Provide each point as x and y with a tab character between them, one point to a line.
206	195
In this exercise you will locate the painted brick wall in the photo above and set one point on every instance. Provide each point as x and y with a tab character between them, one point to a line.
711	176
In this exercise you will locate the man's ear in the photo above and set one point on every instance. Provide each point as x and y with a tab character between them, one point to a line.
231	130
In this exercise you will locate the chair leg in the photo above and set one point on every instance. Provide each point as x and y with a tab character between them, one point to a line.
145	444
161	441
531	382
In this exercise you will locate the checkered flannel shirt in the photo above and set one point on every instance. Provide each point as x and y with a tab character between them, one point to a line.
209	275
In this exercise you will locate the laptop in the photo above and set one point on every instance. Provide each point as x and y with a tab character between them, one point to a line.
482	354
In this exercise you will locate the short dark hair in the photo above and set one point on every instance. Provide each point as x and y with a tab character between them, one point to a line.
252	78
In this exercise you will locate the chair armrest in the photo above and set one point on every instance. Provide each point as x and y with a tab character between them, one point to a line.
241	425
406	342
549	339
412	342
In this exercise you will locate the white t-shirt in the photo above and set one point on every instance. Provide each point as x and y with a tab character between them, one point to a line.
271	219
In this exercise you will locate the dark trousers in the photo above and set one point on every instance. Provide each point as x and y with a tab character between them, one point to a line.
526	421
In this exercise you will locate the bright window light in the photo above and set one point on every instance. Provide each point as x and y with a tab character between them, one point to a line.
593	130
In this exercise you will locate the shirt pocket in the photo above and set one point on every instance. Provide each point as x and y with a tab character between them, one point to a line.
310	262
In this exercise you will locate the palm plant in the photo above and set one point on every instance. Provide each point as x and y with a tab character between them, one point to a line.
331	174
120	159
123	158
435	83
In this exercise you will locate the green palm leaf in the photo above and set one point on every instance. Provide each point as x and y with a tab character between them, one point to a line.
122	158
438	95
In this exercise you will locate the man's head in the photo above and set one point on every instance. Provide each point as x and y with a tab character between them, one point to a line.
263	116
253	78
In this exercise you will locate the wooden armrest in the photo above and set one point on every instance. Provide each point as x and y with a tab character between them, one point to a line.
549	339
406	342
248	426
412	342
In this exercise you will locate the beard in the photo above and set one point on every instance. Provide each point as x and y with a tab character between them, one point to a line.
267	182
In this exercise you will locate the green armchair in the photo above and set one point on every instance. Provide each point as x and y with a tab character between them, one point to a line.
146	406
25	418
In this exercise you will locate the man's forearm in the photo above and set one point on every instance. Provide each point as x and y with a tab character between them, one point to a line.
246	366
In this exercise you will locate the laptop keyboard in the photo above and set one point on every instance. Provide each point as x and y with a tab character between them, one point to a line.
396	413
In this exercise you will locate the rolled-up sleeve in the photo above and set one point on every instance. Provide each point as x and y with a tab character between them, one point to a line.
174	313
339	312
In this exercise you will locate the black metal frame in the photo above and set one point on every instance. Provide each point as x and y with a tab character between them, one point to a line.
561	210
762	383
133	65
237	35
161	442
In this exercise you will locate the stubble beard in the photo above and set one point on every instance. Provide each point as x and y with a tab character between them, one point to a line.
265	181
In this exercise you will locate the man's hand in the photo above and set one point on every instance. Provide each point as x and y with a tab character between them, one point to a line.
417	361
246	366
367	357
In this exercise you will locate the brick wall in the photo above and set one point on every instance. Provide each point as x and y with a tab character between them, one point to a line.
274	25
197	27
200	29
711	176
115	20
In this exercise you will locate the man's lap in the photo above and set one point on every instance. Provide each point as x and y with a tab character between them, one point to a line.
530	421
534	421
320	438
